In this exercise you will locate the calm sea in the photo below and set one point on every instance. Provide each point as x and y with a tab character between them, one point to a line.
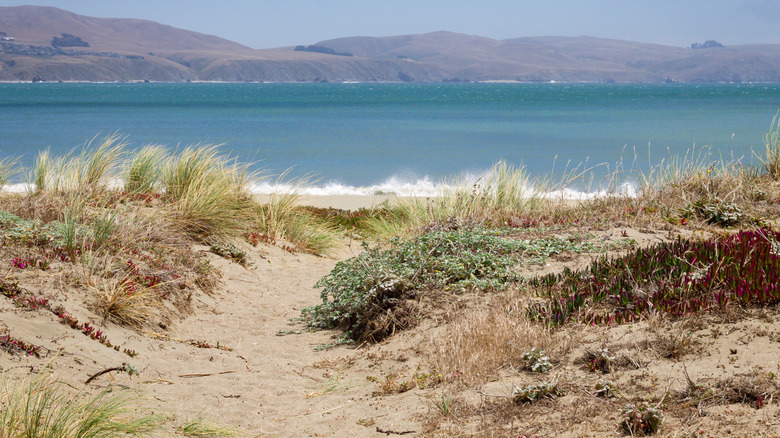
360	138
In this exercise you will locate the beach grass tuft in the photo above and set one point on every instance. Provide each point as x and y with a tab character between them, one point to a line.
207	193
126	302
505	191
771	158
8	169
143	171
42	407
200	427
282	218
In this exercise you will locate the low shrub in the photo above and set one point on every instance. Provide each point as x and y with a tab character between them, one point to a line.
368	295
537	361
534	393
640	420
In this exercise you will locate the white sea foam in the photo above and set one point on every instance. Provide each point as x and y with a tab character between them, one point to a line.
18	188
424	187
392	186
396	185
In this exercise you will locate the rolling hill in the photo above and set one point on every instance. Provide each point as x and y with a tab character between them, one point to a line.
115	49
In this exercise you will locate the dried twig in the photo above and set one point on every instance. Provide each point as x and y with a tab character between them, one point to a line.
392	432
100	373
206	374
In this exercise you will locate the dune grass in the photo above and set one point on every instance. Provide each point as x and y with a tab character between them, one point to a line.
8	169
282	218
94	166
200	427
42	407
88	170
143	170
771	158
207	192
505	191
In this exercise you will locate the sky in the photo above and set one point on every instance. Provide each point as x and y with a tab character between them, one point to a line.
275	23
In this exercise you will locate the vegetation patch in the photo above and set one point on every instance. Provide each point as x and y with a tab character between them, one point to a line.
714	212
534	393
679	278
368	295
12	345
353	221
230	252
42	407
640	420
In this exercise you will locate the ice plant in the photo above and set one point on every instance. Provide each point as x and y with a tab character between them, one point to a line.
204	344
13	345
88	330
681	277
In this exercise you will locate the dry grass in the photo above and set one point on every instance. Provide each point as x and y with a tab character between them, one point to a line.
771	158
42	407
504	192
281	218
482	341
124	302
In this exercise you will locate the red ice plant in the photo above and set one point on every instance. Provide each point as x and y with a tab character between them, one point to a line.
685	277
10	344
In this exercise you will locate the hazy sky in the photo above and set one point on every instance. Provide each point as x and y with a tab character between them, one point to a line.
274	23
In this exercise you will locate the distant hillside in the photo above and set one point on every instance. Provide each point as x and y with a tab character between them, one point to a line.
37	25
49	44
570	59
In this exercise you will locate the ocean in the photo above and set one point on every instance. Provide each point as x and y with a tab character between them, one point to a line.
401	138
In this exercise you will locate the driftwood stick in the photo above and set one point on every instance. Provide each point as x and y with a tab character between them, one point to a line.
206	374
100	373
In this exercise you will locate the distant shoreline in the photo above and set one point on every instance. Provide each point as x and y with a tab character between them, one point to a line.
486	82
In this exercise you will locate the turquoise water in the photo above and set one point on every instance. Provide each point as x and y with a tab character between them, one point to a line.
389	135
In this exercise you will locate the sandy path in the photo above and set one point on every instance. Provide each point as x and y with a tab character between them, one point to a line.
270	385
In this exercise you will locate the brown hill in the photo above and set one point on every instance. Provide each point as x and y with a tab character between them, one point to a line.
37	25
128	49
